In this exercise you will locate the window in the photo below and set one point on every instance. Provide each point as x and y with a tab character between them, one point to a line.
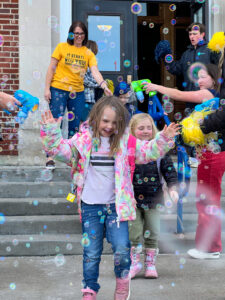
105	31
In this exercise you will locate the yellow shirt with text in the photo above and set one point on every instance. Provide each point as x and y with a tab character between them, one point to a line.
72	66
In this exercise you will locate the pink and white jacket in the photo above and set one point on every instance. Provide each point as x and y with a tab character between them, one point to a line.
67	151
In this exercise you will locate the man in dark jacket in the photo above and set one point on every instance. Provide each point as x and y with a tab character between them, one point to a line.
196	52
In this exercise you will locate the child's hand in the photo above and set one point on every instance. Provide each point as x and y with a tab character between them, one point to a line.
8	102
149	87
47	118
172	130
174	196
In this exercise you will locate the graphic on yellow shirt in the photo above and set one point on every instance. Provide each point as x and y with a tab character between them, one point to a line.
72	65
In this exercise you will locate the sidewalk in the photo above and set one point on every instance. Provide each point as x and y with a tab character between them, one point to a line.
59	278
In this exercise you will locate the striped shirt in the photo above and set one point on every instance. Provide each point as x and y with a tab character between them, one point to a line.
99	184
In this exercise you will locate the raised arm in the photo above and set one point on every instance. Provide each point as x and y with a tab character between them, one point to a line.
192	96
62	149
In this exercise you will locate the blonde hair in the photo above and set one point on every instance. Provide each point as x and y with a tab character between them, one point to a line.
122	119
140	117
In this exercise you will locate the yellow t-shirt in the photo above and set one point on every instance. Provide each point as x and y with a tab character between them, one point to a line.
72	66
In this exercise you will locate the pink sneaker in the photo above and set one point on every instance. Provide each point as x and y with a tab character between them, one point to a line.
122	291
136	265
150	259
88	294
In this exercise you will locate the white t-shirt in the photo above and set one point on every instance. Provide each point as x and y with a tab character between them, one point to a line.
99	186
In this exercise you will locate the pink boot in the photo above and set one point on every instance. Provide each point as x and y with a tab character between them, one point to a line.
88	294
136	265
150	259
122	291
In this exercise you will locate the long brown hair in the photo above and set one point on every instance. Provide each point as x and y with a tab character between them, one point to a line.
122	119
83	27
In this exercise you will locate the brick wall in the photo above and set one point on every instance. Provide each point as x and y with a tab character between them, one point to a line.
9	71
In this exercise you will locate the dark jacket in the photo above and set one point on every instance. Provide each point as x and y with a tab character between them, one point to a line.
216	122
201	54
147	184
222	87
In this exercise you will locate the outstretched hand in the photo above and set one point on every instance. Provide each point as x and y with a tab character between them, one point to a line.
172	130
149	87
47	118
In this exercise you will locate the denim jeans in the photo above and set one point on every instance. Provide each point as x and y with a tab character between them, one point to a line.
99	221
60	100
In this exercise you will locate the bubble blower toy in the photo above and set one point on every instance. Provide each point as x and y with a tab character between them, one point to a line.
28	103
156	111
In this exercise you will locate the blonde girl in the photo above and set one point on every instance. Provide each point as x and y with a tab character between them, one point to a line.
103	184
148	193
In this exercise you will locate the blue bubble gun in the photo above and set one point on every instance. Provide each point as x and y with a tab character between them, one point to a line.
138	88
28	103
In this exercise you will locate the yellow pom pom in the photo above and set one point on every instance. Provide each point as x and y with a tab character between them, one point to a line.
217	42
110	85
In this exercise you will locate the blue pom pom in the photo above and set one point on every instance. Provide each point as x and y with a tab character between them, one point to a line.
162	49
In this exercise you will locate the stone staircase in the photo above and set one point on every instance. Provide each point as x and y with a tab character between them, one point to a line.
36	218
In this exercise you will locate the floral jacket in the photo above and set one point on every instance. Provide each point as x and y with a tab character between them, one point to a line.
77	150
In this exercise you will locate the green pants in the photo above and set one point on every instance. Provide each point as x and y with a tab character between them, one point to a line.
147	226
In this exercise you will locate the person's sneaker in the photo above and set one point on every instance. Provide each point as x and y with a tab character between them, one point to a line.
50	165
122	291
195	253
88	294
193	162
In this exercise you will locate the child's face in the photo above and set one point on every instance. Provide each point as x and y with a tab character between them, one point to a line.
124	98
143	130
107	125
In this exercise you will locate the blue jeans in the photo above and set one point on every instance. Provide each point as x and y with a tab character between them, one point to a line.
98	221
60	100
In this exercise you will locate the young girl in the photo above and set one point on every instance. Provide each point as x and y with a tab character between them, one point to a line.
103	184
148	193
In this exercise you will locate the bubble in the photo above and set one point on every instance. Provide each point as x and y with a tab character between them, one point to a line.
3	85
146	179
136	67
72	95
165	98
182	260
201	1
172	7
136	8
16	263
85	242
173	22
187	111
127	63
222	101
36	74
215	9
97	7
202	196
144	23
70	36
69	246
193	71
146	234
59	260
52	22
101	46
86	224
12	286
168	58
165	30
70	116
168	107
15	242
153	179
120	78
178	116
139	181
5	78
112	45
35	202
2	218
196	28
46	175
168	203
1	40
141	197
27	245
151	25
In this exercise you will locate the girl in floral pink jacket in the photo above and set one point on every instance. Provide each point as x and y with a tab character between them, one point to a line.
99	156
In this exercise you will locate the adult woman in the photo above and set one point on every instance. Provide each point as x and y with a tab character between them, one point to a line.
210	170
64	79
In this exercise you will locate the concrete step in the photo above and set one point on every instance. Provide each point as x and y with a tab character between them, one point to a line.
34	189
70	244
63	224
33	174
37	206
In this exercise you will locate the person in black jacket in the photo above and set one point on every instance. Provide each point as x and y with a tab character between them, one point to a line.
209	178
197	51
148	191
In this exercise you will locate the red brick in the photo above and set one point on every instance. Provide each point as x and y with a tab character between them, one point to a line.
11	27
3	16
4	11
11	49
7	59
4	21
13	54
4	65
4	54
9	71
7	37
14	11
7	5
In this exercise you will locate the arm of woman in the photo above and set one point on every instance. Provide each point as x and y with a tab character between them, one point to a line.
49	75
98	77
8	102
192	96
